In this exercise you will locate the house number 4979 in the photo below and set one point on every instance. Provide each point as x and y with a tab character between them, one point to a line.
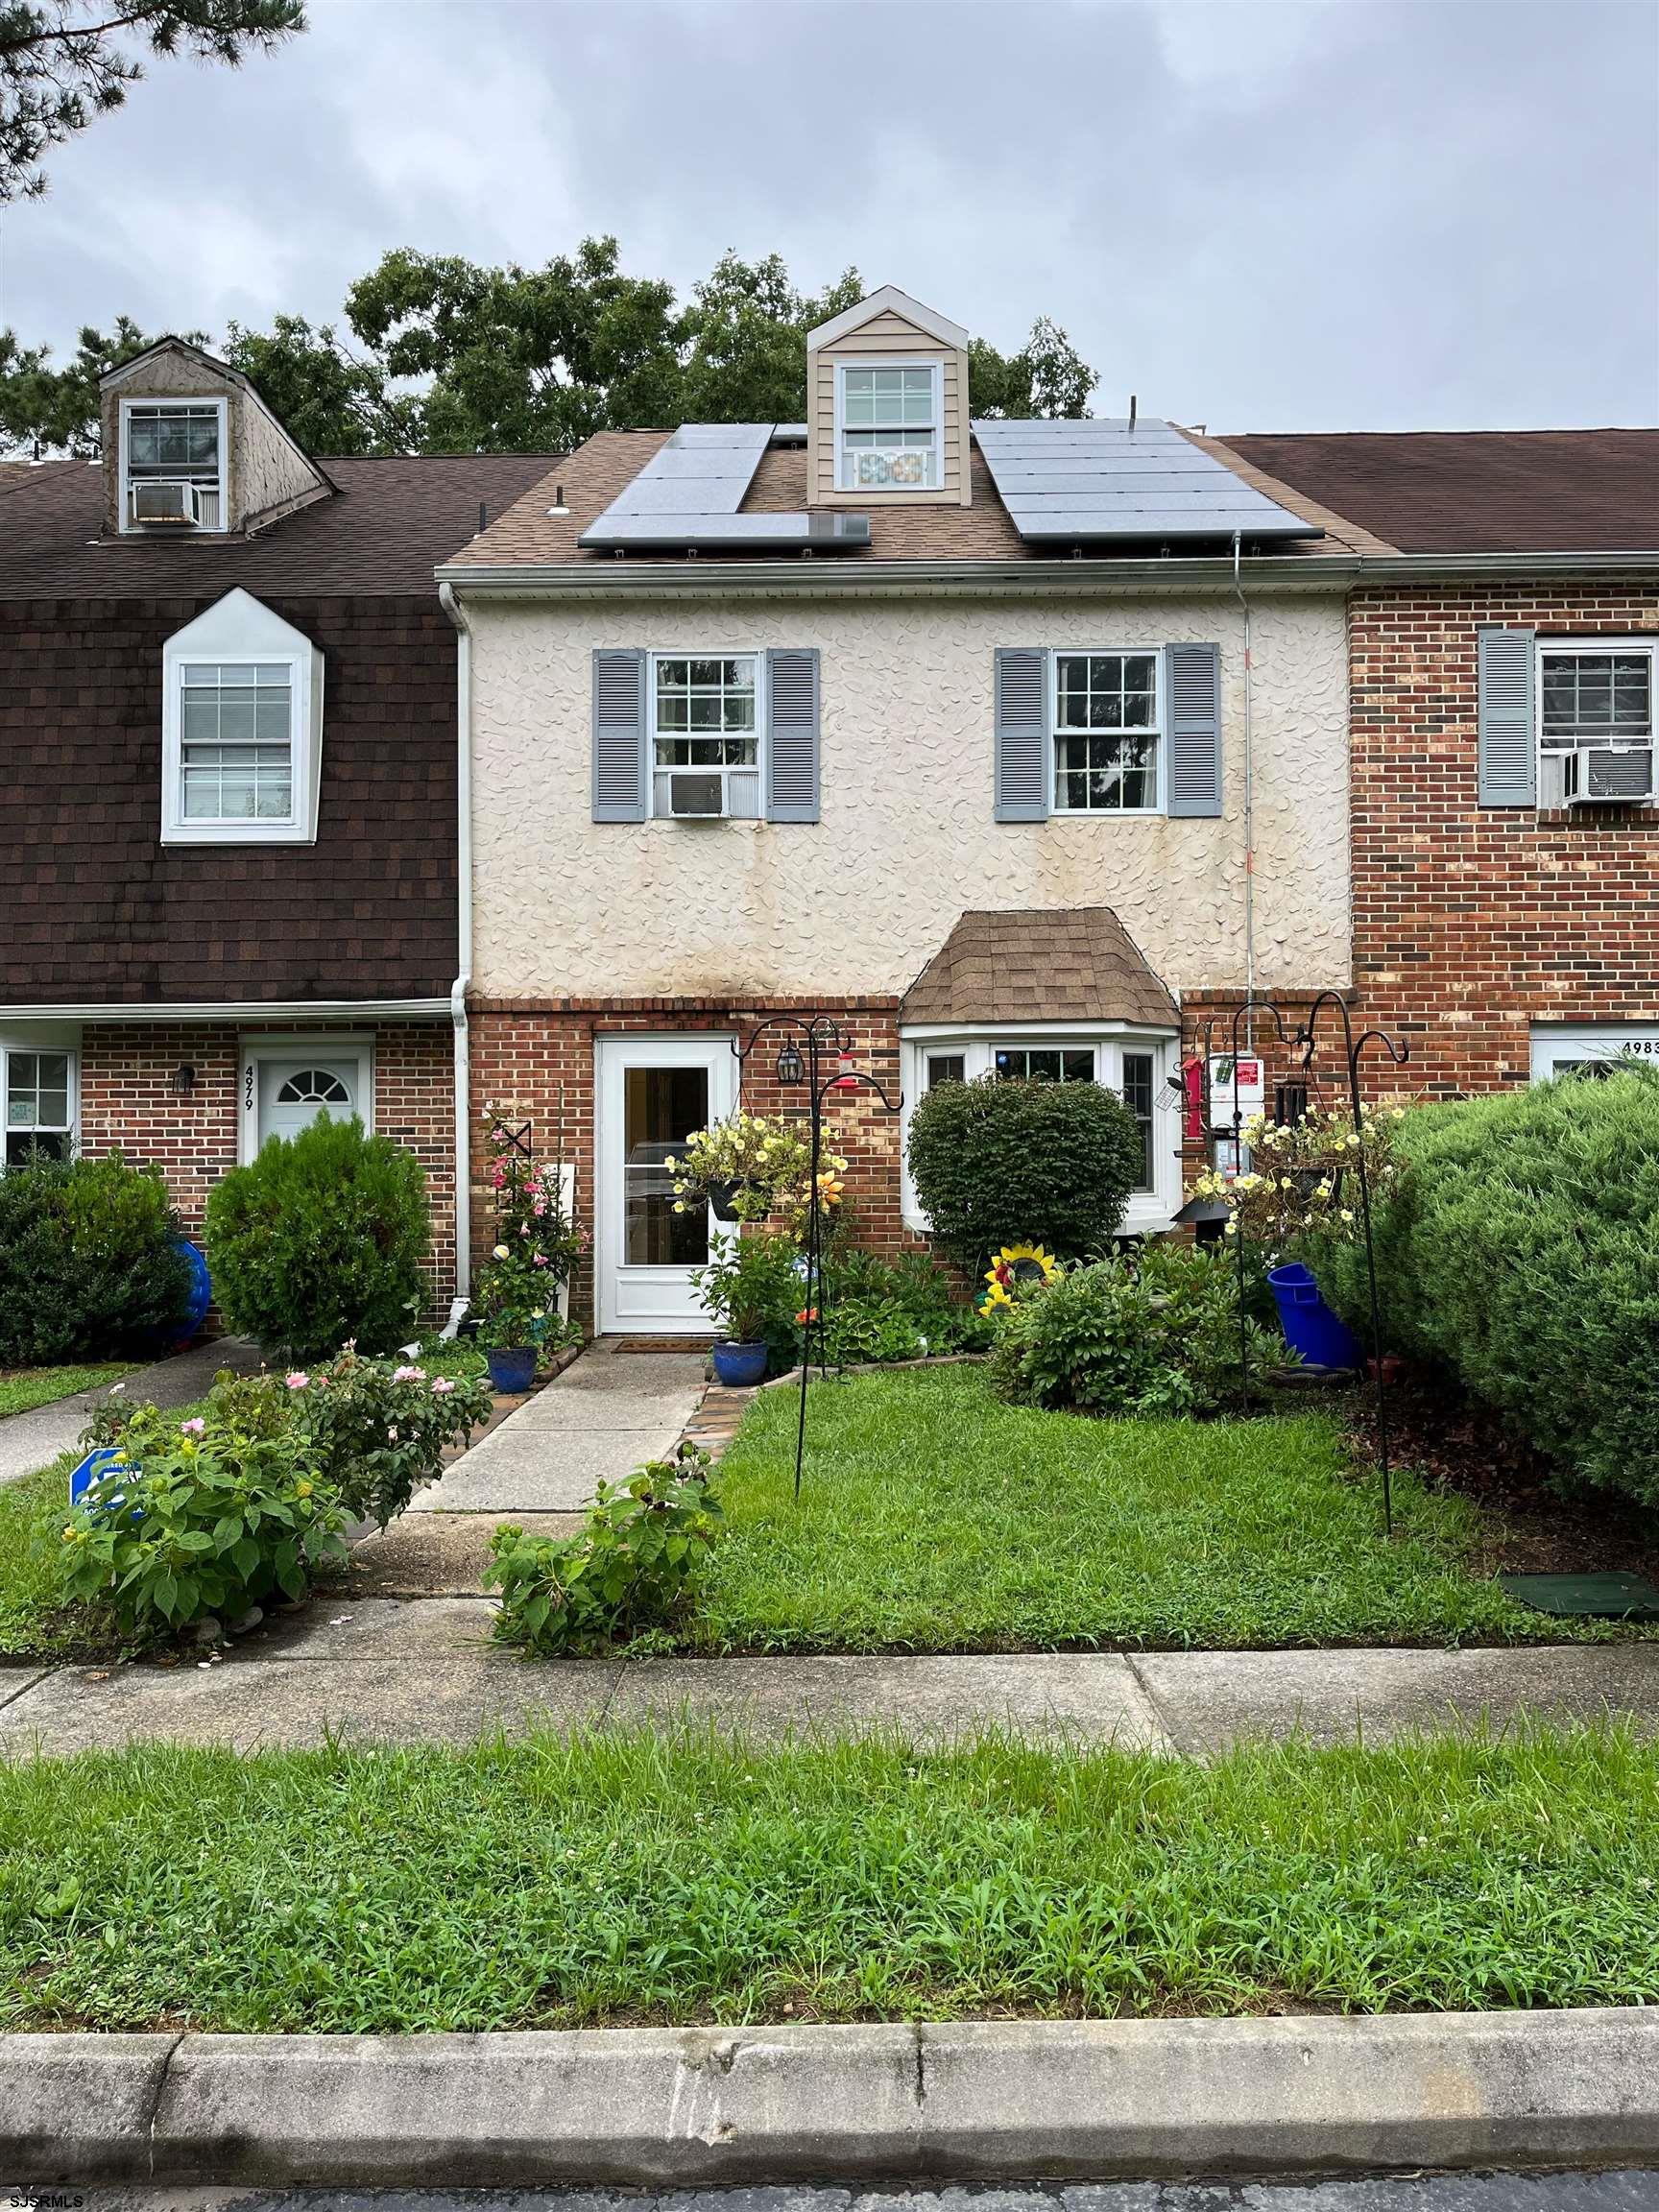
248	1088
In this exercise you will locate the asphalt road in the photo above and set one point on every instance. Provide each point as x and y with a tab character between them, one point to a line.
1426	2193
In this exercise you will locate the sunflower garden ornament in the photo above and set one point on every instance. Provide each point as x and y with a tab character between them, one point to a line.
1015	1266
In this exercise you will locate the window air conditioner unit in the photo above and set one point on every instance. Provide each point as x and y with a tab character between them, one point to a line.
696	798
1600	773
175	504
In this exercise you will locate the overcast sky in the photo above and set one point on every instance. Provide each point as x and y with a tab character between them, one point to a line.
1320	215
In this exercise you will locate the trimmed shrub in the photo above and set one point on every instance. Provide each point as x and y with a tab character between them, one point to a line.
996	1161
88	1266
319	1242
1520	1252
1151	1333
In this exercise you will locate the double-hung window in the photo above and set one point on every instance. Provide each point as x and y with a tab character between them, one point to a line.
242	714
40	1105
1595	734
1108	733
706	735
889	428
173	465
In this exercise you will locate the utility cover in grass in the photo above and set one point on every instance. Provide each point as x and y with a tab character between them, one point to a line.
1585	1597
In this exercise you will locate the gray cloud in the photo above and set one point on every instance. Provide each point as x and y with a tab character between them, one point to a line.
1316	214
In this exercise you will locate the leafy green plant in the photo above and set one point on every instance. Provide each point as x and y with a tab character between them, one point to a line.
321	1241
1305	1180
514	1300
201	1516
758	1165
753	1287
996	1161
378	1429
1519	1252
1152	1332
87	1264
632	1566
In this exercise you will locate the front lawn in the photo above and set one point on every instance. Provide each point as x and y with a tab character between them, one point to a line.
23	1388
935	1519
550	1884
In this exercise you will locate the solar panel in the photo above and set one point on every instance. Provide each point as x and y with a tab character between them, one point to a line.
691	491
1103	479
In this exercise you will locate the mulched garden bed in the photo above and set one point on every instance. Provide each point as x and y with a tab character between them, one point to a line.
1539	1524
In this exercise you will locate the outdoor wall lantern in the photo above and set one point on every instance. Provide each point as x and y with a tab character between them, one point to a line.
183	1079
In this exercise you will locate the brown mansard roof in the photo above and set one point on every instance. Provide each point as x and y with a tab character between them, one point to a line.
382	532
1475	490
1039	964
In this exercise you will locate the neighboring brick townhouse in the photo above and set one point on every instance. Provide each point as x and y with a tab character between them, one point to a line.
228	814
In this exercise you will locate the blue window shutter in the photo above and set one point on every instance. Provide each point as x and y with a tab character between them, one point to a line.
1192	681
1020	733
1508	761
621	788
792	734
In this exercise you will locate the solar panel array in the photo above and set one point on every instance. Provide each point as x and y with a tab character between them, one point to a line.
1071	481
691	491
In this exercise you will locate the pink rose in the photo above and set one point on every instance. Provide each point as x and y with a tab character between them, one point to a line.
196	1428
297	1379
442	1385
409	1375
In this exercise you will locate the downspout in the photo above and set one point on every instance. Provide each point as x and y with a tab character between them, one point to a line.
463	982
1249	815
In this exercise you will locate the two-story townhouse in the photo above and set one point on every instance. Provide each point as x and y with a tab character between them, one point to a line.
228	829
1013	746
1505	791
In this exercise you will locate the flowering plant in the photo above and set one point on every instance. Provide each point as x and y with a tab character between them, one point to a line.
758	1163
517	1296
1305	1181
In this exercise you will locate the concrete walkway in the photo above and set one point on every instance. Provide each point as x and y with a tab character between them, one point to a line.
423	1671
32	1440
600	1418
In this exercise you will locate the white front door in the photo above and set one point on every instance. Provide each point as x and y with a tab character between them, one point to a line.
288	1082
653	1093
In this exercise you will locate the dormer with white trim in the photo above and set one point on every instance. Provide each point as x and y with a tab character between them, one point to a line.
887	406
191	450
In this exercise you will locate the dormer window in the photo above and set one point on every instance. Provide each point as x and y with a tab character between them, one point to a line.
889	425
173	466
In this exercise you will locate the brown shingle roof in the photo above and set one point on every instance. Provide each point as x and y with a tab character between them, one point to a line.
384	531
1475	490
1039	964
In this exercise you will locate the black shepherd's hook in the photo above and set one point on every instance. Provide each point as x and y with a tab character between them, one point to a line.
1246	1007
823	1036
1399	1053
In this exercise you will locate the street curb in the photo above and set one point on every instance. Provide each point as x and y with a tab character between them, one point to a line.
999	2101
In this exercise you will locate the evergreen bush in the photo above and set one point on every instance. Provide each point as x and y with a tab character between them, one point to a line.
87	1264
998	1161
1519	1251
319	1242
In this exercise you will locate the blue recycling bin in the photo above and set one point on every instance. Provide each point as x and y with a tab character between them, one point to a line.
1321	1338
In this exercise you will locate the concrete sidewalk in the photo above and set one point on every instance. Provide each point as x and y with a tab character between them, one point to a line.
377	1670
33	1440
599	1419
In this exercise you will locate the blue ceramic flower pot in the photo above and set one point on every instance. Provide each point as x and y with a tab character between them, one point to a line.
739	1366
513	1371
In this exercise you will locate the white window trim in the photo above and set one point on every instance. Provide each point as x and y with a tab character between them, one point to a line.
173	401
330	1043
240	628
1160	779
892	361
754	652
1147	1212
53	1038
1582	647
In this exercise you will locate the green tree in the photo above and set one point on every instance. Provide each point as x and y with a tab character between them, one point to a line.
332	400
57	408
744	338
1047	376
62	61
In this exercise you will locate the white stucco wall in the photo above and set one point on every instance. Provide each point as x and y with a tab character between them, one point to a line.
861	901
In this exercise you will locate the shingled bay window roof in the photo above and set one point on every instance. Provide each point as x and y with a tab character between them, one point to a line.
1038	964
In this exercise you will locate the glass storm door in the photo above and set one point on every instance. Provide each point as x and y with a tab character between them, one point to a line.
653	1093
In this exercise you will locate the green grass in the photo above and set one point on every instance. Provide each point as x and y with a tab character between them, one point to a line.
23	1388
637	1878
935	1519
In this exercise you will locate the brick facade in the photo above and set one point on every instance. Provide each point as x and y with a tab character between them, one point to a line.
129	1101
538	1059
1471	922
